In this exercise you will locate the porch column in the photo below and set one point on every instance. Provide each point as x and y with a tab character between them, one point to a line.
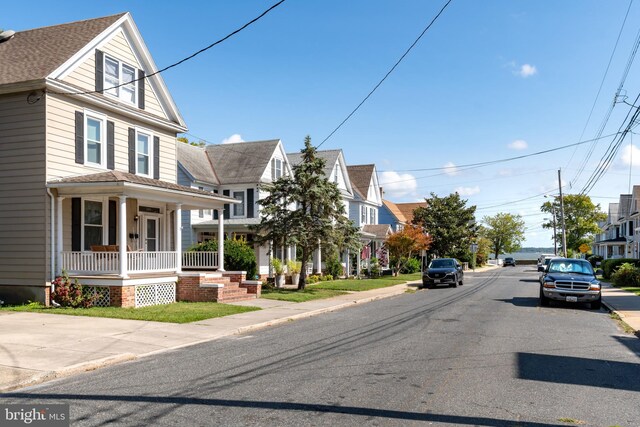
177	216
122	237
221	240
59	235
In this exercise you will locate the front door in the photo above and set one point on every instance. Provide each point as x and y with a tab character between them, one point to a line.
151	234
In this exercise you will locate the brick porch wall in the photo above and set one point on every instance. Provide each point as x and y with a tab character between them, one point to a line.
189	288
122	296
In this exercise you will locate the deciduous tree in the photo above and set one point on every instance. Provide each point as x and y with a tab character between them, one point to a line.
404	244
505	232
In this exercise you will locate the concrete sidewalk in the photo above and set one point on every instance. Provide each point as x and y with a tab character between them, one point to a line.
37	347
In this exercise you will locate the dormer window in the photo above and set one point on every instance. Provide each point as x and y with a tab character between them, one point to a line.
119	80
276	169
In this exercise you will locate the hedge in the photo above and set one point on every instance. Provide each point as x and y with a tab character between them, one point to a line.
609	266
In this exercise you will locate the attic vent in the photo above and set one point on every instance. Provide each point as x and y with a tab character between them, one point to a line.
6	35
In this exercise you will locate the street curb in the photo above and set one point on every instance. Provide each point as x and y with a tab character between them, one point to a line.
127	357
621	317
70	370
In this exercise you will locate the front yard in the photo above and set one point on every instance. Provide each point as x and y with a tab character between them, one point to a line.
179	312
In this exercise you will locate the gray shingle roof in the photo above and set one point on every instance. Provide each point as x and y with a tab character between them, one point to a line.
379	230
242	162
34	54
330	157
195	161
360	176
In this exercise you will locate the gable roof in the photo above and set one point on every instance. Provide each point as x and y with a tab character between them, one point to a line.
195	162
330	157
360	176
395	211
379	230
408	208
34	54
242	162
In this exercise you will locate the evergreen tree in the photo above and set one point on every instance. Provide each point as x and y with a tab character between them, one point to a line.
306	209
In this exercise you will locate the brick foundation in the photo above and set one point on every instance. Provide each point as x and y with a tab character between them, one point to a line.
122	296
225	287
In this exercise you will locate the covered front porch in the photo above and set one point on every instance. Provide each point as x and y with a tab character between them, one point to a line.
120	230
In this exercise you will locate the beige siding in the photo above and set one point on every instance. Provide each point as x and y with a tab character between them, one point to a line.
24	240
118	48
61	142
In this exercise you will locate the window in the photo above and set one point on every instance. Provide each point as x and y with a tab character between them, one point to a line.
238	209
95	139
201	211
372	216
143	153
276	169
119	80
335	175
363	214
92	224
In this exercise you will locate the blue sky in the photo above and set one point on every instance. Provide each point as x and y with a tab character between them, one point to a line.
490	80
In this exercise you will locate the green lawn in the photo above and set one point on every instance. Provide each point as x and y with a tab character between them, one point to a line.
635	290
293	295
366	284
179	312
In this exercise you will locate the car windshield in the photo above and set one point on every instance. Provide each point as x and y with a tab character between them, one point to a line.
570	266
442	263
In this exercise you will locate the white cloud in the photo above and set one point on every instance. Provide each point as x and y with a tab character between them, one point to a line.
630	153
397	185
527	70
232	139
467	191
451	169
518	144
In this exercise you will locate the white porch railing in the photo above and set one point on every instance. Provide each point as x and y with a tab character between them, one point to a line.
109	262
200	260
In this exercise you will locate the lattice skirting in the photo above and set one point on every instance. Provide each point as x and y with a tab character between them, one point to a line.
103	295
154	294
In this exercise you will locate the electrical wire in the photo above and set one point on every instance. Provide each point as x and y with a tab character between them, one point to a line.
386	75
231	34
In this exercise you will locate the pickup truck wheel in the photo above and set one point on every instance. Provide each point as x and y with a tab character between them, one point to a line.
595	305
544	301
460	283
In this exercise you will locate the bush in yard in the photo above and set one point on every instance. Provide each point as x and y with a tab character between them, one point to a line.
626	275
238	255
313	278
71	294
411	265
333	266
609	266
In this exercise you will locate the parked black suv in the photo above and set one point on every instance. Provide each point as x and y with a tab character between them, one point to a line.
443	271
570	280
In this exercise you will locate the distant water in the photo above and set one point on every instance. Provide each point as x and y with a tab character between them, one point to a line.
524	255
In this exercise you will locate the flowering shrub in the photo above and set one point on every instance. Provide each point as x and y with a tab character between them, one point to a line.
70	294
626	275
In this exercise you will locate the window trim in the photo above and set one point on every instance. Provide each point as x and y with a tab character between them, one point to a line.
150	154
274	168
232	213
109	87
103	220
88	114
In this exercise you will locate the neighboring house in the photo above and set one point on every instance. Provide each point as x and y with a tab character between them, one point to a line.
364	208
236	171
407	209
88	181
336	171
390	214
633	230
611	242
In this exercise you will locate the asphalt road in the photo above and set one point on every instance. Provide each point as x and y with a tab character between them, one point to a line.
481	354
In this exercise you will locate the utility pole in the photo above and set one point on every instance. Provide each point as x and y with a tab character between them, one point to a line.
555	238
564	230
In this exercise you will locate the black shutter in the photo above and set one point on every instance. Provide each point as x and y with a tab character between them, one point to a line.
79	137
226	205
99	71
111	144
113	221
76	224
156	157
141	89
250	202
132	150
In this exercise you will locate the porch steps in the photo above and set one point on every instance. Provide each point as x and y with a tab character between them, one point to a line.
234	293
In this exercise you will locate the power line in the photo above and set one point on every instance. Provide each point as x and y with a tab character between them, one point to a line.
386	75
184	59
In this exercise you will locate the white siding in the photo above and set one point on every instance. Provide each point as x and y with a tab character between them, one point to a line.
24	210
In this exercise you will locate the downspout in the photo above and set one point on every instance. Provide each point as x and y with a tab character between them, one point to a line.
52	238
